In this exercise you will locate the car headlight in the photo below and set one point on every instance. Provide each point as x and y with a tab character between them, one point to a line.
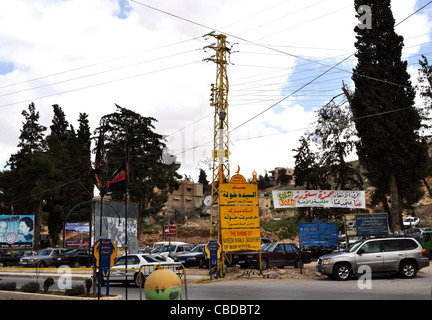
326	261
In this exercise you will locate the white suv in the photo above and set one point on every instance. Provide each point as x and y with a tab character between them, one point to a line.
401	255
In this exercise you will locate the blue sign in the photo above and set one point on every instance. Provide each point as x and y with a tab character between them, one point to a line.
105	251
213	249
318	233
371	224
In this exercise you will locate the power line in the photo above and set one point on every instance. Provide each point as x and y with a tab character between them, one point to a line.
95	64
97	73
100	84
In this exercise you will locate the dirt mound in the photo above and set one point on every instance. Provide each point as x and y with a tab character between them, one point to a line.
194	231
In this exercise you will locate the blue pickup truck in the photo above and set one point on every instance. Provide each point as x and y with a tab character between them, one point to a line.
318	237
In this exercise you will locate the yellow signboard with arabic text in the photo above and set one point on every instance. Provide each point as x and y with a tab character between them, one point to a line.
241	239
240	217
238	194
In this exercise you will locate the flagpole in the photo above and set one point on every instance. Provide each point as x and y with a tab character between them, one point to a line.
126	208
101	193
100	243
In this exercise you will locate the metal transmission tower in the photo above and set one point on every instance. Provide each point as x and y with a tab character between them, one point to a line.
219	100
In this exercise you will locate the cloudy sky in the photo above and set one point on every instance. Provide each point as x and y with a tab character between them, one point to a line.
148	56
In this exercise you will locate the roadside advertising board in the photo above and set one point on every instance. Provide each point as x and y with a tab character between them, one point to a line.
239	215
16	231
319	198
359	225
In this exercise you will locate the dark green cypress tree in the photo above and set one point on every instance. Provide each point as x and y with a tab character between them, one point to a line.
31	141
78	165
387	123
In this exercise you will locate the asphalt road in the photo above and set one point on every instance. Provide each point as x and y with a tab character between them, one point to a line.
382	287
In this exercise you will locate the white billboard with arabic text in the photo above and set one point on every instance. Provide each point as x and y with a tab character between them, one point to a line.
319	198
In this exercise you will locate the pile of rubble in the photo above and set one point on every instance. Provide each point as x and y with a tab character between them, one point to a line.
307	272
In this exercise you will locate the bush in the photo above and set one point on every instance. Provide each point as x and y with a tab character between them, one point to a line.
76	290
8	286
31	287
48	283
88	284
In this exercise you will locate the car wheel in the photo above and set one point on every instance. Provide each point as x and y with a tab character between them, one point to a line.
2	264
264	264
76	264
299	263
41	264
139	280
408	269
342	271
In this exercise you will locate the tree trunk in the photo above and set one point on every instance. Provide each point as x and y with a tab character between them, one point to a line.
395	208
37	227
427	186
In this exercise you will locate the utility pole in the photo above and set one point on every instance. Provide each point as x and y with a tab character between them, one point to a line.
219	100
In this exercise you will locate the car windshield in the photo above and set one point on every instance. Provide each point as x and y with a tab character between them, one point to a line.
268	246
199	248
166	248
355	246
45	252
130	260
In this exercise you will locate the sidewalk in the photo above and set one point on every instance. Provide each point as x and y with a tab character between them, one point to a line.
77	273
192	274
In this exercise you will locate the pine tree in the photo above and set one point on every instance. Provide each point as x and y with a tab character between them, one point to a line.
20	183
151	177
56	148
31	137
79	187
387	123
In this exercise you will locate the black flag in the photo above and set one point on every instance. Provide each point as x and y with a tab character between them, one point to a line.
118	180
99	173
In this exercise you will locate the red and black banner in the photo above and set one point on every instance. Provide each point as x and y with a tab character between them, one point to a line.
118	180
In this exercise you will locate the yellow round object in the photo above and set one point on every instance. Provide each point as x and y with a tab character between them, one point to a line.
162	284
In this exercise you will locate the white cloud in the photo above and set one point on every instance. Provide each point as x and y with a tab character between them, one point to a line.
88	55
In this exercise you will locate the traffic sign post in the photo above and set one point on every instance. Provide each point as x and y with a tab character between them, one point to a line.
170	231
213	250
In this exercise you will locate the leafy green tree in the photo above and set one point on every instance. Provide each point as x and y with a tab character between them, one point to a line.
19	185
31	137
387	123
70	152
152	174
264	182
425	89
334	137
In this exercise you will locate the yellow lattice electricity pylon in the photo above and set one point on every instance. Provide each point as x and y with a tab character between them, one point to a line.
219	100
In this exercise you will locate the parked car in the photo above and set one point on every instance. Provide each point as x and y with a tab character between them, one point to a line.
277	254
139	267
197	257
411	222
425	238
398	255
74	258
145	250
159	246
173	250
42	259
9	259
